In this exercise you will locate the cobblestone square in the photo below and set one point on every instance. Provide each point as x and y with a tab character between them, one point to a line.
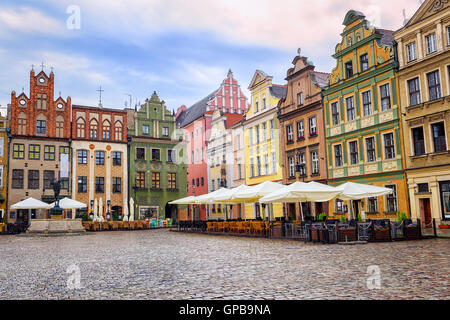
160	264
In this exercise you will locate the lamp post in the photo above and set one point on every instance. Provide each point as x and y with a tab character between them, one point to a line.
108	212
91	215
301	168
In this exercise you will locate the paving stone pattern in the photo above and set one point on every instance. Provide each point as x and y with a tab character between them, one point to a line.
159	264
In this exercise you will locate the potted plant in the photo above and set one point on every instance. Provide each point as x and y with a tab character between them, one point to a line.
381	233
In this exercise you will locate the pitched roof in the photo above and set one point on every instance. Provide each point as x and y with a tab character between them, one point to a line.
388	36
278	91
195	111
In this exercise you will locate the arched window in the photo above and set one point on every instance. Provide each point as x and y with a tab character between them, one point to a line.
81	128
59	127
41	102
118	131
22	123
106	130
93	129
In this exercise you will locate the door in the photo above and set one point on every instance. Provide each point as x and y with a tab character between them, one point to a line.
356	210
425	211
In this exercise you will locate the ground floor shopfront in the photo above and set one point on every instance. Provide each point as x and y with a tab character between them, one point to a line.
385	207
429	193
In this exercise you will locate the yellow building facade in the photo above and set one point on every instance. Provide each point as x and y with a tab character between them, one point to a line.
424	81
262	141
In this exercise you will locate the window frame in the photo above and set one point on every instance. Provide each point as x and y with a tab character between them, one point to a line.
392	146
99	160
352	109
352	153
335	114
84	156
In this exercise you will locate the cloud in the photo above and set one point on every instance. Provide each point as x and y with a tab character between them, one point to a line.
29	20
285	24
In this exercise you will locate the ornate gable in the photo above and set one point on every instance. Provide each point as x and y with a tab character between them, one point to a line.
428	8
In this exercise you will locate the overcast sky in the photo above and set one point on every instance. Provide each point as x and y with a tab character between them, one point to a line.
181	49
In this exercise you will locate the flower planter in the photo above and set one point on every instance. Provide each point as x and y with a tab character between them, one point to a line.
315	235
348	234
382	235
412	232
444	226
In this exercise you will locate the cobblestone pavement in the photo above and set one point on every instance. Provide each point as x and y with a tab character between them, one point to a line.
159	264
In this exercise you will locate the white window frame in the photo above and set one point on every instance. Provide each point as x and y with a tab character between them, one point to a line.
290	133
433	48
411	55
291	165
315	168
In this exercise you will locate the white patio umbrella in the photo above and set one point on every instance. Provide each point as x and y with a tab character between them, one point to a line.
208	198
257	191
68	203
187	200
356	191
125	211
227	194
131	210
100	210
95	210
30	203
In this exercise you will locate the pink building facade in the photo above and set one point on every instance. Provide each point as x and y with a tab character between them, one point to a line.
195	123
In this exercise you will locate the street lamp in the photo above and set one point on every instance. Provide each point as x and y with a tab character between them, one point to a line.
92	207
300	168
108	213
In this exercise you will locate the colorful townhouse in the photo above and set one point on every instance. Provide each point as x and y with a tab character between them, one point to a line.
362	120
219	155
157	174
195	123
262	141
100	160
302	134
39	146
424	81
237	133
4	128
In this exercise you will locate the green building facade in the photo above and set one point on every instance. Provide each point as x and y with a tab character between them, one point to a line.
157	174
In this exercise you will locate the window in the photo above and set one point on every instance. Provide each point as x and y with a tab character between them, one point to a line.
350	105
448	35
81	127
41	102
140	153
370	149
171	156
172	177
93	129
140	180
117	185
1	181
213	187
18	151
300	98
118	131
82	184
99	184
274	162
300	130
63	150
117	158
411	52
289	133
266	164
423	188
250	136
239	171
252	168
302	160
146	129
203	181
414	91
291	162
391	199
349	69
367	103
82	156
272	129
349	41
434	85
431	43
33	179
49	153
156	180
238	142
338	155
64	182
353	152
99	158
257	133
372	205
17	179
364	61
339	204
312	126
335	113
165	131
156	155
418	141
49	176
34	152
264	103
256	106
264	131
315	162
438	130
258	165
385	97
22	124
59	124
389	149
41	126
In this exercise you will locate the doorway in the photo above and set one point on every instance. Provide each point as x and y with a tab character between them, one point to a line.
356	208
425	210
